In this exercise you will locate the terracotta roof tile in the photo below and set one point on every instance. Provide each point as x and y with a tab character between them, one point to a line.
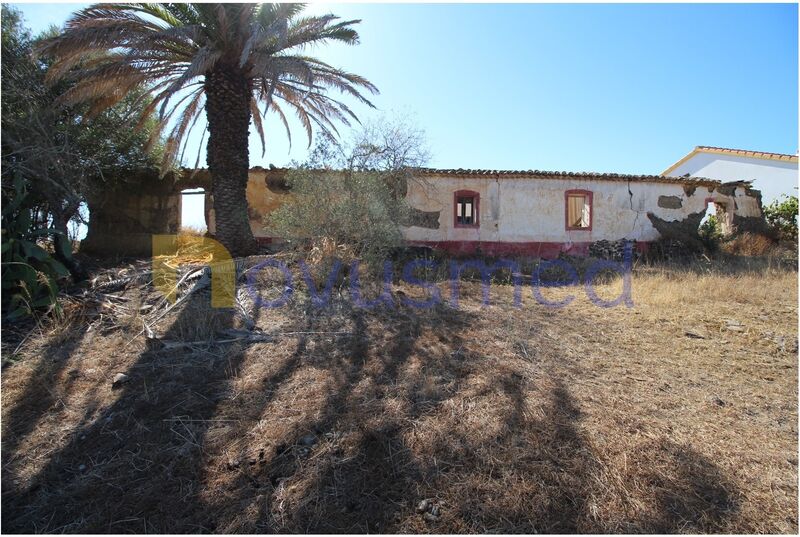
728	151
543	174
538	174
748	153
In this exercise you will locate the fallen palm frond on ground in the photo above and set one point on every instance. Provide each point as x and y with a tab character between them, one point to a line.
676	415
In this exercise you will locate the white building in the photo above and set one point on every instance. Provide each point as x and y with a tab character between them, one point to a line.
545	213
536	213
774	174
494	212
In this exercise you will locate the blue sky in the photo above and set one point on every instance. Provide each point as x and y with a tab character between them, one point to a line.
587	87
627	88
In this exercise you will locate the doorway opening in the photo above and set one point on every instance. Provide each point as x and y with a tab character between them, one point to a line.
717	220
78	226
193	210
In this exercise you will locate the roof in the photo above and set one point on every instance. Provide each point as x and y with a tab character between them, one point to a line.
542	174
764	155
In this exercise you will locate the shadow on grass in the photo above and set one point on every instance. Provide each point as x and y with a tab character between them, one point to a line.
410	410
132	467
40	394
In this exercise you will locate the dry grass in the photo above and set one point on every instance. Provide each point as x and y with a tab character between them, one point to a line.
750	244
532	419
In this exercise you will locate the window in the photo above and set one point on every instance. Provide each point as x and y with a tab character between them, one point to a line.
466	208
579	209
465	213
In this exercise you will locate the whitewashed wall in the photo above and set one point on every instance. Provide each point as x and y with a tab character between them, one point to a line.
772	177
532	209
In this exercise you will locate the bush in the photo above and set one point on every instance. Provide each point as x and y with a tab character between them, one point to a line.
349	215
348	199
749	244
30	273
710	232
781	216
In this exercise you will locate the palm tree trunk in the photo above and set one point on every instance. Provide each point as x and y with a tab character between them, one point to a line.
227	154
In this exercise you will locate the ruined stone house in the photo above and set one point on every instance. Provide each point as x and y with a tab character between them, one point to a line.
495	212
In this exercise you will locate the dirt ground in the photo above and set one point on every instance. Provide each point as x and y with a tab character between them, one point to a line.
678	414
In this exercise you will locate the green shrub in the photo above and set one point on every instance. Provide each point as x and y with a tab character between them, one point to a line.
348	199
29	274
349	215
781	216
710	232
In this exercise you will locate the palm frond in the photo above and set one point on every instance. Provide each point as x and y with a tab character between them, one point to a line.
278	110
310	30
197	115
187	115
167	51
258	125
203	61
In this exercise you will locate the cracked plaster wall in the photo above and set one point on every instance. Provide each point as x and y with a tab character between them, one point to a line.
519	209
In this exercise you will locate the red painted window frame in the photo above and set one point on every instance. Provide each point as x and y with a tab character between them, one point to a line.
467	193
588	194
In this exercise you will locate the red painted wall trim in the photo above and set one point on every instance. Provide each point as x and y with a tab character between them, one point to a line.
589	194
545	250
476	208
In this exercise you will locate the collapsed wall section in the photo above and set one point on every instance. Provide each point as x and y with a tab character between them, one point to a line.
738	210
125	216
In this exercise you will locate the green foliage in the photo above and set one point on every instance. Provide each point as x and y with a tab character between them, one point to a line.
781	216
710	232
348	199
60	156
173	48
29	272
207	64
347	215
61	144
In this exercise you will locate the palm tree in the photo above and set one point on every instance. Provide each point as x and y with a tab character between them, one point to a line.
235	61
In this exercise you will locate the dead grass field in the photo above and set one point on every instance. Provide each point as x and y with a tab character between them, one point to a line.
676	415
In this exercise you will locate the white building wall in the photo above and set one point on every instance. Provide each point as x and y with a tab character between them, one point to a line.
772	177
533	209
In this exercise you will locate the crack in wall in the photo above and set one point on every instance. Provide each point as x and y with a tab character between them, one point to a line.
630	196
